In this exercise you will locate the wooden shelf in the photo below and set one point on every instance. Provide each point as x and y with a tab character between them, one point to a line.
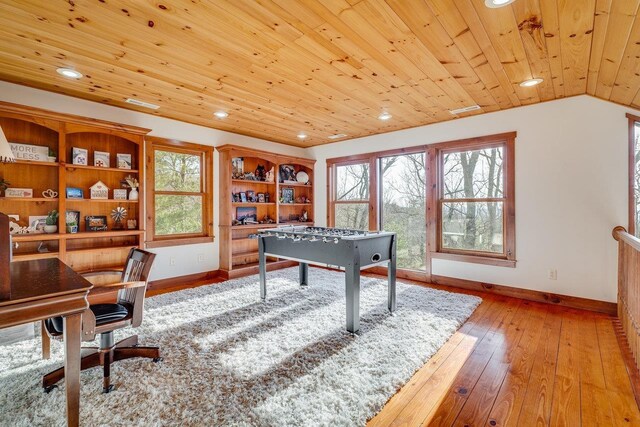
35	237
98	168
252	204
246	181
103	200
34	163
283	184
29	199
101	248
98	234
295	204
36	255
245	254
296	223
250	226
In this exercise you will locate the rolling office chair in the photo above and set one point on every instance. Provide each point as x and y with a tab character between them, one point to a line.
103	319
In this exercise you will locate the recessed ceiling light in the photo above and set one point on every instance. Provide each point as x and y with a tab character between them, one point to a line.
337	136
142	103
497	3
384	116
465	109
221	114
531	82
302	135
69	72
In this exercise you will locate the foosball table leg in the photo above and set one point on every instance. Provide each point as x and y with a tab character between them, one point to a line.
391	273
352	274
262	261
304	274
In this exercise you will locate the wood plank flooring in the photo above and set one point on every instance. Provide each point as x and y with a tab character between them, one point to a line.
520	363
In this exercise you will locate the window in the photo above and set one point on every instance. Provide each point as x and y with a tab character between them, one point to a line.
475	200
402	207
351	199
179	206
634	175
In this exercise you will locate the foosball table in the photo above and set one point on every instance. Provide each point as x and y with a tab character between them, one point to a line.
351	250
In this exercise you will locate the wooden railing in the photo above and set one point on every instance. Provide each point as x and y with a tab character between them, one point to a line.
629	288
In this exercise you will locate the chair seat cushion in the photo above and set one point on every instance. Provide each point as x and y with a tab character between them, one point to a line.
104	313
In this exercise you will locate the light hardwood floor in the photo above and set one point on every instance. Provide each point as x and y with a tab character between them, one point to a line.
520	363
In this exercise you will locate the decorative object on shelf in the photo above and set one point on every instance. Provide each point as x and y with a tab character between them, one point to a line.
38	222
294	217
270	176
120	194
19	193
72	219
123	161
6	155
267	220
302	177
4	184
74	193
42	248
247	215
237	168
118	214
133	184
99	191
80	156
304	217
236	197
303	200
261	198
33	153
261	173
95	223
51	222
266	197
243	197
288	174
49	194
132	224
251	196
52	155
249	176
287	195
101	159
15	228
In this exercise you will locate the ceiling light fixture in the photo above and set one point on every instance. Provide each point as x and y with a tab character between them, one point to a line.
69	72
337	136
302	135
493	4
384	116
465	109
142	103
221	114
531	82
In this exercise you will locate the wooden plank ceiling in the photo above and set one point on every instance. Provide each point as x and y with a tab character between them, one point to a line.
280	67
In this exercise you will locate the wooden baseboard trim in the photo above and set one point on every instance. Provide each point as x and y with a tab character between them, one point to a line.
161	286
609	308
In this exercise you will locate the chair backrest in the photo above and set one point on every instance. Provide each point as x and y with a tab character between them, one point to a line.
136	268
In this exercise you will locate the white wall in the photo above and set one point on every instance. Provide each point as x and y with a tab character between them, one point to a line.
186	257
571	190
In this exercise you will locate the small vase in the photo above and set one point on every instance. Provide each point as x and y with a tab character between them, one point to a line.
50	229
133	194
72	229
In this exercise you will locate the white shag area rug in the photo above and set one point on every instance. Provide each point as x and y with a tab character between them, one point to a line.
230	359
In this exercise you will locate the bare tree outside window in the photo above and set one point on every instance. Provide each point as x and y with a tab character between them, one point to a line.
352	196
403	190
472	203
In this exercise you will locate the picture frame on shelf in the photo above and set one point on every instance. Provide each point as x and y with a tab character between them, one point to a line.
80	156
74	193
237	167
261	198
246	213
123	161
28	152
38	222
18	193
95	223
101	159
288	174
236	197
251	196
243	197
120	194
288	195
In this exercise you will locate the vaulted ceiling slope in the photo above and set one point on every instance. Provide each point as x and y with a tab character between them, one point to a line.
281	67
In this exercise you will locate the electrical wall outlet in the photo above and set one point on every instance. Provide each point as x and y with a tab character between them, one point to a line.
200	257
553	274
172	261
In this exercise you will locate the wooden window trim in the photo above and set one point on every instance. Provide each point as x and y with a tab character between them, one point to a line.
332	195
631	173
506	259
206	182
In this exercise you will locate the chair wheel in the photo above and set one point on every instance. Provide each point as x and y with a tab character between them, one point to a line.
108	389
157	359
48	389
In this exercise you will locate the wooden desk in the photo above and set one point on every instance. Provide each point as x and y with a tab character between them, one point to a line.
47	288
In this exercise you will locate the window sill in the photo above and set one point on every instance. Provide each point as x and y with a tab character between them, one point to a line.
179	241
475	259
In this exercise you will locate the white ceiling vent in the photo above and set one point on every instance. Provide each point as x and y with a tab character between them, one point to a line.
142	104
465	109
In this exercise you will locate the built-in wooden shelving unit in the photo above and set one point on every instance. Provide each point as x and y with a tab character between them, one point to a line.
85	250
239	253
